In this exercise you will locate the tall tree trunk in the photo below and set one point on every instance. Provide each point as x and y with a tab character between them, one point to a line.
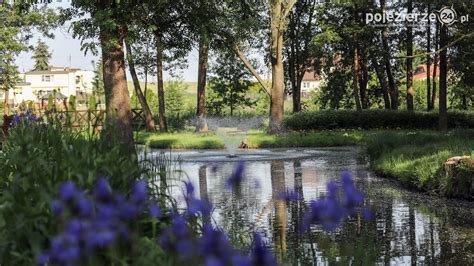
278	75
117	98
443	72
355	65
363	79
201	86
383	84
435	65
391	81
428	63
412	235
355	75
149	122
277	171
161	90
464	101
409	61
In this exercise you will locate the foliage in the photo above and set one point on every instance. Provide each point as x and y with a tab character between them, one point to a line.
228	86
35	160
41	55
370	119
98	83
416	159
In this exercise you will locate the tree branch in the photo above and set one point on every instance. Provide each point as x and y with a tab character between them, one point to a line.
249	66
440	49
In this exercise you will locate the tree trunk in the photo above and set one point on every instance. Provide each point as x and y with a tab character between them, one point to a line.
355	71
464	101
355	65
391	81
201	86
443	71
435	65
363	79
428	63
278	75
149	122
117	98
159	77
383	84
409	61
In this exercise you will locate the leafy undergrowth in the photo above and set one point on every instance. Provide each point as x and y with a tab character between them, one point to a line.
416	159
254	139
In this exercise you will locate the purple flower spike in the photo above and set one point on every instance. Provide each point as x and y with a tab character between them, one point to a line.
57	207
260	254
155	211
189	189
289	195
102	190
139	192
67	191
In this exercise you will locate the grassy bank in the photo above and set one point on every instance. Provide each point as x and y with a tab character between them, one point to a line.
255	139
416	159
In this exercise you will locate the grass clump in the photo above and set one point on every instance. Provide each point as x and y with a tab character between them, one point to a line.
416	159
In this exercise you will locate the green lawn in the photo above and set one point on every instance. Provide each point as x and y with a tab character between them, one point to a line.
416	159
255	139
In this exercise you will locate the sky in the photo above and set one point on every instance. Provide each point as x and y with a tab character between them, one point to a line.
66	51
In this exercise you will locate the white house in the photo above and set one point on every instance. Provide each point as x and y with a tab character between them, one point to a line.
311	81
61	81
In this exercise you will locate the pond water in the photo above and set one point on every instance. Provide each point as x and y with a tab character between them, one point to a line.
408	228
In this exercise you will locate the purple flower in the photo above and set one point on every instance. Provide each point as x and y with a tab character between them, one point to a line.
260	254
155	211
57	207
237	175
102	190
85	207
67	191
289	195
139	192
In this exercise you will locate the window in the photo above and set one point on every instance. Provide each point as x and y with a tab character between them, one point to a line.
47	78
78	79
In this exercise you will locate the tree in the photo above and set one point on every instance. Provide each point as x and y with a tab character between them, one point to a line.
443	73
393	90
279	10
409	60
149	121
228	85
98	82
109	22
41	55
19	20
298	49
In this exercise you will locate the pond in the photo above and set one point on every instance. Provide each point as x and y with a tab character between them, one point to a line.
407	227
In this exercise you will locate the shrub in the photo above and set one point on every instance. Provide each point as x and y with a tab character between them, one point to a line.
375	119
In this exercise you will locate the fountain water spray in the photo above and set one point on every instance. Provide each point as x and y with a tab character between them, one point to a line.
233	130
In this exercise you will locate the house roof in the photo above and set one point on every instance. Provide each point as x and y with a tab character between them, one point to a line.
53	70
22	83
311	76
420	72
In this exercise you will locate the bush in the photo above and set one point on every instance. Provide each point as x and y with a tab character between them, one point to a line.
375	119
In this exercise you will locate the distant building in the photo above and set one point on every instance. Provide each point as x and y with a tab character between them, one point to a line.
62	82
311	81
420	72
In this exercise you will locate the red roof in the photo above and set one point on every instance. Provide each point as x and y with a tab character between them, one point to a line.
311	76
420	72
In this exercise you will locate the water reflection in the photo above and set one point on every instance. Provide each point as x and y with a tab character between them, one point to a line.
407	229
